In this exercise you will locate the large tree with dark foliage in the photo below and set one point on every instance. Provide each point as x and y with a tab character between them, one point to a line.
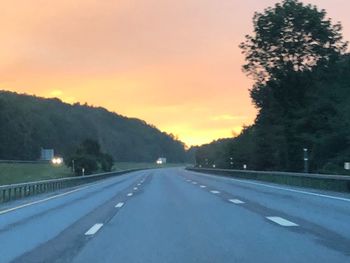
290	36
301	71
291	41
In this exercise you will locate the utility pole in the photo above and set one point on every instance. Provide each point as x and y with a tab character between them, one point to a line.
306	160
73	168
231	162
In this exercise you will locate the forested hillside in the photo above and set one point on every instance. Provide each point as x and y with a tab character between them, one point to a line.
298	60
28	123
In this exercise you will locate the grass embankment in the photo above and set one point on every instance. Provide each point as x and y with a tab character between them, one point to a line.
12	173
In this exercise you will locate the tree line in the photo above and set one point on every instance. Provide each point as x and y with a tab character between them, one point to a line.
301	70
28	123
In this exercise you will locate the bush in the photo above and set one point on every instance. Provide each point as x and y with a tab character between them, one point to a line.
89	157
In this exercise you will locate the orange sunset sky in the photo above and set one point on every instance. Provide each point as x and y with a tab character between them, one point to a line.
173	63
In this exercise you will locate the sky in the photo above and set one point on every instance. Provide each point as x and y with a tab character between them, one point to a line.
173	63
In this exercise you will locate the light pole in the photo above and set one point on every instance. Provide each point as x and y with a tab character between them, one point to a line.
73	168
306	160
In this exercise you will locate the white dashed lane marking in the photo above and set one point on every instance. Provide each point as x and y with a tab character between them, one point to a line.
93	229
119	205
215	192
135	188
281	221
202	186
194	182
129	194
236	201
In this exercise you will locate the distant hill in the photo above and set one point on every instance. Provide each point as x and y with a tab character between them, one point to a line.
28	123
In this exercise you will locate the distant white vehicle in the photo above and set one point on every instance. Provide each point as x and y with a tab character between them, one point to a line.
161	160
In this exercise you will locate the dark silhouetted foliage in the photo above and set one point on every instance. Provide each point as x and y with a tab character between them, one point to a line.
302	93
28	123
89	157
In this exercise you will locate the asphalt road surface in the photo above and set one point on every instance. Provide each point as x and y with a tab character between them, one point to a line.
174	215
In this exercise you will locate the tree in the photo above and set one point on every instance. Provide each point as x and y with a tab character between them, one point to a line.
89	157
290	41
291	36
89	147
106	162
302	92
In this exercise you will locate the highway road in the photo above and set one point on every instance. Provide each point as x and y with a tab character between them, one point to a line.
174	215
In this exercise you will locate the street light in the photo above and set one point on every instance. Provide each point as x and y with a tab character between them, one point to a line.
73	166
231	162
306	160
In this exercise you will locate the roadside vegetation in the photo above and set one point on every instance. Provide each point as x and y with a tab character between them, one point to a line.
28	123
12	173
301	68
88	159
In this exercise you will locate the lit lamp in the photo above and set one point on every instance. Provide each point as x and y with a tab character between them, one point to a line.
57	161
306	159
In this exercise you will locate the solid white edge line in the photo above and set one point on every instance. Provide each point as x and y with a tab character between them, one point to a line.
281	221
287	189
119	205
93	230
236	201
45	199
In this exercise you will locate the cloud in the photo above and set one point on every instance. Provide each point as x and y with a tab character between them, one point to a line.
56	93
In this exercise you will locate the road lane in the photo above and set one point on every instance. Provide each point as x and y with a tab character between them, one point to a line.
175	215
178	221
319	209
24	229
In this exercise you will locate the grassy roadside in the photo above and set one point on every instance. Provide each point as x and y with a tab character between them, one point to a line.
12	173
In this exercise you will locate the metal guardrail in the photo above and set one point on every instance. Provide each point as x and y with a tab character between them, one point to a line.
320	181
309	175
17	191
